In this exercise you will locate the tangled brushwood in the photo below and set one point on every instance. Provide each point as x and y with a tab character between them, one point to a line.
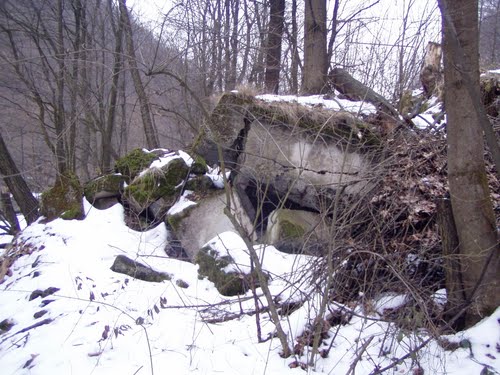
389	241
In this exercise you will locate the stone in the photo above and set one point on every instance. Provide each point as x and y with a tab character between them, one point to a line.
134	162
154	184
110	185
63	200
134	269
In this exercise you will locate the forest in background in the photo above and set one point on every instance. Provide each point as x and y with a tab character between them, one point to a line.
72	70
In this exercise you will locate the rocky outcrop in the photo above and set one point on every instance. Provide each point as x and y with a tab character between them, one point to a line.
302	153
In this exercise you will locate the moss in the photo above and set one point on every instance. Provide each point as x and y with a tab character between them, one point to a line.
291	230
134	162
212	266
111	183
199	166
63	200
221	122
339	125
424	107
200	184
174	221
406	102
155	183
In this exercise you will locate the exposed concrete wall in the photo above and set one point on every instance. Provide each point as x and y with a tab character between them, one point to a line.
300	165
205	221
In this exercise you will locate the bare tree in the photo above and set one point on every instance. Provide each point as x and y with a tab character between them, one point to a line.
273	51
315	52
489	29
17	184
478	251
147	122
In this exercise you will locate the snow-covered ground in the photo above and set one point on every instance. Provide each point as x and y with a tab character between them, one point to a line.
101	322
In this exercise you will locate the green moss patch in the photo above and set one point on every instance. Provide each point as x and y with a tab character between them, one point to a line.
212	266
63	200
104	186
134	162
157	183
199	166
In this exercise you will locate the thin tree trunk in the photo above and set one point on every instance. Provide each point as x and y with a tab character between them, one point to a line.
234	45
294	68
273	50
59	111
149	130
333	36
472	208
17	185
315	53
8	212
449	241
111	115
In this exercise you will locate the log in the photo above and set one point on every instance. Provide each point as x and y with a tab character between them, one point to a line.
353	89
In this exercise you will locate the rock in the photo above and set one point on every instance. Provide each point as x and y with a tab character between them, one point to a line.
182	284
134	162
134	269
173	247
155	184
6	325
211	265
200	184
216	263
104	191
297	231
198	224
199	166
490	93
63	200
43	293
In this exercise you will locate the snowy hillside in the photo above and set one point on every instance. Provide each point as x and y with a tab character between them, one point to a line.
63	311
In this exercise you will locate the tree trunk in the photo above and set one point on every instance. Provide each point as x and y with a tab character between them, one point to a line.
472	209
315	53
333	27
17	185
273	50
149	130
8	212
294	68
107	137
449	242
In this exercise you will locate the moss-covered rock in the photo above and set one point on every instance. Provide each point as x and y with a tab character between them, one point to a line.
63	200
200	184
199	166
155	184
106	186
211	265
134	162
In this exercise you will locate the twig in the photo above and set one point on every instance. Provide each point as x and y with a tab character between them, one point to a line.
359	355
